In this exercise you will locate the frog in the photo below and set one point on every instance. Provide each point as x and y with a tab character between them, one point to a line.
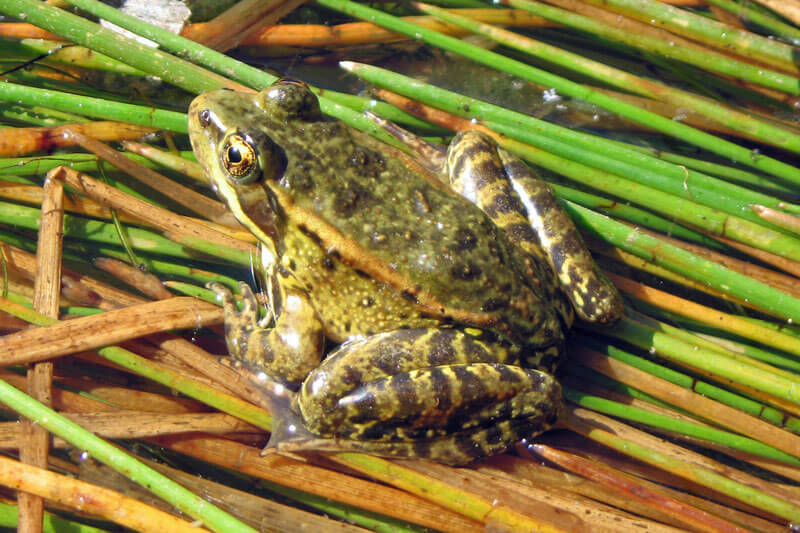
417	306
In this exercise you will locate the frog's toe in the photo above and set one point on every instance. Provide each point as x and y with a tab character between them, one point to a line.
290	434
224	297
222	293
249	310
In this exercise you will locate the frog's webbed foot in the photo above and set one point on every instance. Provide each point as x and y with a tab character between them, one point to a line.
287	427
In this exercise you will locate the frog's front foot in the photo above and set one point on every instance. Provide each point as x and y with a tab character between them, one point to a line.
239	325
286	352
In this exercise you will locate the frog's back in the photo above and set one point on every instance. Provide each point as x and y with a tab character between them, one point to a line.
435	249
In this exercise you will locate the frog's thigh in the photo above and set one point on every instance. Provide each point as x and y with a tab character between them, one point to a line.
504	188
456	396
286	352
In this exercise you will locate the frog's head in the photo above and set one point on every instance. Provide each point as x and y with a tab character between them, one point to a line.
244	142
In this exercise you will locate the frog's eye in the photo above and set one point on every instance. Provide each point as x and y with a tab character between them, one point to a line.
295	99
239	158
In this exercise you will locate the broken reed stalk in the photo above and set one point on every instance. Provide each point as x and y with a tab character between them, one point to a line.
47	294
192	200
244	18
27	140
87	333
160	218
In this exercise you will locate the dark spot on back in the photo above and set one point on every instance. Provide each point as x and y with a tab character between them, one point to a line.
465	240
493	304
465	271
351	197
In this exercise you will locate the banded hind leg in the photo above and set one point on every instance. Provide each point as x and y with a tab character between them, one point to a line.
441	394
525	207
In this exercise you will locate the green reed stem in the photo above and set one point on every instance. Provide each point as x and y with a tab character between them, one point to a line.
767	22
680	427
69	55
704	30
711	361
685	263
763	130
93	107
746	405
637	216
664	125
704	59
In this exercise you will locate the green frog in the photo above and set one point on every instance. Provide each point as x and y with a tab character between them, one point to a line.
445	282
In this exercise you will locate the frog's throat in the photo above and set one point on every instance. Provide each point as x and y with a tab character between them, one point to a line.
356	256
233	198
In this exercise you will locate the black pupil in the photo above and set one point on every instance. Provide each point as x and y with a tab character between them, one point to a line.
234	156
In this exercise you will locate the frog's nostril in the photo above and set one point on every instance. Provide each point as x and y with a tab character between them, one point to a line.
205	118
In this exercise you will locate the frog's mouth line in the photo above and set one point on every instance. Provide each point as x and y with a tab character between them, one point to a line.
260	220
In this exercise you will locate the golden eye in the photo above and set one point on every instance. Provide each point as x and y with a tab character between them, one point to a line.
240	159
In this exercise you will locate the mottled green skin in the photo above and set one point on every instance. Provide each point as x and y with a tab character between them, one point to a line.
384	254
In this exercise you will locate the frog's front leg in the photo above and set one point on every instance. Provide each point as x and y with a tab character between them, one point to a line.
287	352
525	207
440	394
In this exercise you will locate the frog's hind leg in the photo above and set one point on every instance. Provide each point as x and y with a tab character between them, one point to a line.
506	190
445	395
455	449
453	415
